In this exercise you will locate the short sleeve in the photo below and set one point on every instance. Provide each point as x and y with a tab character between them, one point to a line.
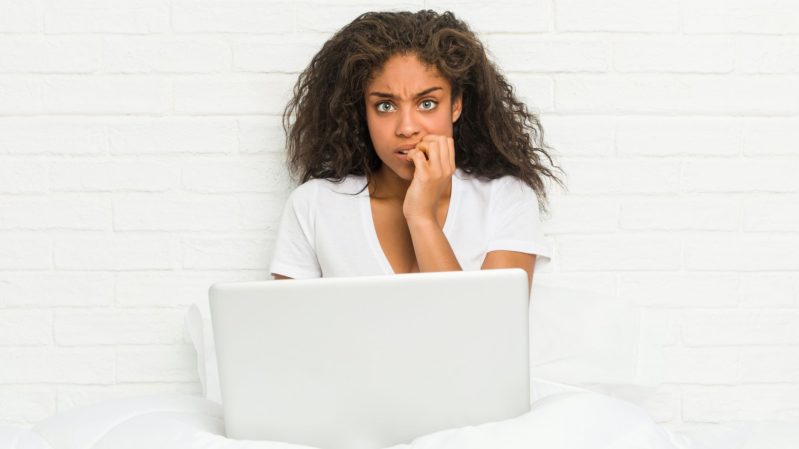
513	221
294	255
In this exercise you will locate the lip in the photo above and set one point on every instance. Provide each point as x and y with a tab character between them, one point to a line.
405	147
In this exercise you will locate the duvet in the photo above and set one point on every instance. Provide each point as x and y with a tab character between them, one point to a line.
568	418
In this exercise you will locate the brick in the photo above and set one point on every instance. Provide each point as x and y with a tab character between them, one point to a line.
105	95
32	135
62	365
261	135
227	253
664	405
266	94
134	54
24	405
680	290
20	95
25	253
262	174
579	136
745	402
54	288
23	176
115	174
622	252
173	135
677	55
698	213
764	365
176	214
617	15
261	213
534	91
55	213
504	17
70	397
741	252
711	366
773	213
237	16
117	252
329	17
289	53
602	283
770	136
686	94
113	16
49	55
523	53
676	136
574	214
740	327
769	290
767	55
26	327
740	16
21	17
596	176
117	327
157	364
172	289
744	175
660	327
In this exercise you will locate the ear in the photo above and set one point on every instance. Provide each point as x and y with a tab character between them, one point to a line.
457	107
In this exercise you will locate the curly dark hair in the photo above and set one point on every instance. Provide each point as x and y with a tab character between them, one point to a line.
496	134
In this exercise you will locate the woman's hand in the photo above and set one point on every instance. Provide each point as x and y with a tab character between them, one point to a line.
434	163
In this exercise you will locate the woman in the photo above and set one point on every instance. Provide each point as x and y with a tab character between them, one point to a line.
413	154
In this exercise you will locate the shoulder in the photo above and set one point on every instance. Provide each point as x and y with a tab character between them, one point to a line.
507	184
315	188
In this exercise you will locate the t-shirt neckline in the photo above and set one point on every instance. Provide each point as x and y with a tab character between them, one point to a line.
369	223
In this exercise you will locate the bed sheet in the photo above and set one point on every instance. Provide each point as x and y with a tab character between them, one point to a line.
564	419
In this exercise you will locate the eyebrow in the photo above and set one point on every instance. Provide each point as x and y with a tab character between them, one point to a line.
388	95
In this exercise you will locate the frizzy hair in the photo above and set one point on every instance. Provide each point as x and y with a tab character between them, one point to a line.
325	120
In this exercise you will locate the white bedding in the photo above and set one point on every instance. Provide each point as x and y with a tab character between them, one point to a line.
584	340
567	418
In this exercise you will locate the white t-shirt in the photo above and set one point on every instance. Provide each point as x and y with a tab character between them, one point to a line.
327	231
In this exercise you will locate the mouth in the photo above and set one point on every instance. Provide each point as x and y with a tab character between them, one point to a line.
405	148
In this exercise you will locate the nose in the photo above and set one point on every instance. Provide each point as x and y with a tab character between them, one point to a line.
407	124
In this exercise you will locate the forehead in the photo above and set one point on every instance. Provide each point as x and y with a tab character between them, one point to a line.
406	73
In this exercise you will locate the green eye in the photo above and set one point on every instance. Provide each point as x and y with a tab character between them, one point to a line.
384	107
428	104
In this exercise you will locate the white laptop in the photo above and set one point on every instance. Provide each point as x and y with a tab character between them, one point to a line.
374	361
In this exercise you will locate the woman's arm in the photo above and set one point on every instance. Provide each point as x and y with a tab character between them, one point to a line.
434	253
511	259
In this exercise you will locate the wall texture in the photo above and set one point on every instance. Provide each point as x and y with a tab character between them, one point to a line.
141	160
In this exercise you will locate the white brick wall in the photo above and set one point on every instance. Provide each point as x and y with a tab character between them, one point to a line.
141	160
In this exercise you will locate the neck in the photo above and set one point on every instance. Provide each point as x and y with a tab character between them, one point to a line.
386	185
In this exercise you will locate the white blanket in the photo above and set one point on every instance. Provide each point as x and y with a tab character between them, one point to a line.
565	419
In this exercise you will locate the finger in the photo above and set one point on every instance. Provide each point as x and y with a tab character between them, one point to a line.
424	147
444	152
434	156
419	161
451	144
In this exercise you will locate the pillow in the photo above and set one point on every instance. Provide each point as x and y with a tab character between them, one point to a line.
577	337
594	341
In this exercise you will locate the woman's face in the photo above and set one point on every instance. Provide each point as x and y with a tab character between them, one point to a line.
406	101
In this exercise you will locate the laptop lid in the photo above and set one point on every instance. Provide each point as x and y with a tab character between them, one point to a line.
374	361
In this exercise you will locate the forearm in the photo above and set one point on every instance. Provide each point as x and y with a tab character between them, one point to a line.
433	252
